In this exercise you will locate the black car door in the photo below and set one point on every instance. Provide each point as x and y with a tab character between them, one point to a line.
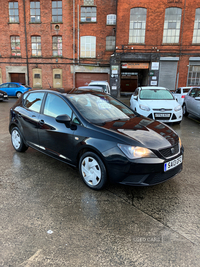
28	117
56	138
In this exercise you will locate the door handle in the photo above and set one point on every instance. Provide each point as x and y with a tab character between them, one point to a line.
41	122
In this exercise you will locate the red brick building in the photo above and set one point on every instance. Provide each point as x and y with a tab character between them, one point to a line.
68	43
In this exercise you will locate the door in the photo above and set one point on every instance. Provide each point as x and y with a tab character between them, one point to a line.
18	78
56	138
129	85
29	118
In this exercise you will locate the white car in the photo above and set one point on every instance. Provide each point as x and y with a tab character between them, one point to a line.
157	103
105	85
180	94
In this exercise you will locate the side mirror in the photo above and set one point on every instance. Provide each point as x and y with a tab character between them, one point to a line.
63	119
135	97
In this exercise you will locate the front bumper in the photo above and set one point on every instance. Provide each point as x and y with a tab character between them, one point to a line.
4	97
142	172
172	115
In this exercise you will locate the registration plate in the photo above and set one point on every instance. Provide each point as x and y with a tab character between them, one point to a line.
166	115
173	163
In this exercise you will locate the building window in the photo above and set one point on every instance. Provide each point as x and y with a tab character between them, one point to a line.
57	46
110	43
111	19
172	25
35	12
194	75
137	25
88	46
88	14
15	46
13	12
196	32
56	11
36	46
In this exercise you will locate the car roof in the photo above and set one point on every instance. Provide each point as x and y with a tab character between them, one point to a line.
98	82
153	87
97	88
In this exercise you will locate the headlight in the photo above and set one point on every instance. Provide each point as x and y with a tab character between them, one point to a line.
144	107
180	144
135	152
178	108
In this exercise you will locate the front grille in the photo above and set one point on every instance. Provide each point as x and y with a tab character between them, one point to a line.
170	151
162	109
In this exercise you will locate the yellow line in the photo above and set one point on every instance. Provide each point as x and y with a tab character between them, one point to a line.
194	120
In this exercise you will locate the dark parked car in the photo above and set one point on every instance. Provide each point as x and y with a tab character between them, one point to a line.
191	103
98	134
14	89
3	95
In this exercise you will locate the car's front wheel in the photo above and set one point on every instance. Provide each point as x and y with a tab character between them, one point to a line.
185	113
92	170
18	94
17	140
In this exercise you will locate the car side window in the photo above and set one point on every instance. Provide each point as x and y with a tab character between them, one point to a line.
34	101
178	91
55	106
4	85
193	92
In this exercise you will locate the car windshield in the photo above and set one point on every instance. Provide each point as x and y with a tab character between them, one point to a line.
100	85
99	108
155	94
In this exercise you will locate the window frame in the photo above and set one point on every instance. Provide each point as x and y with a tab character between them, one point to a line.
35	9
137	35
171	35
87	12
112	47
196	30
18	51
57	49
107	19
56	9
86	46
13	9
37	44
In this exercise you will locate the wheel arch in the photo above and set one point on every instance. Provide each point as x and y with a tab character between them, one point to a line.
94	150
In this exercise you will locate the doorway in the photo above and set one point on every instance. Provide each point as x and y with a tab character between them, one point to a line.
18	77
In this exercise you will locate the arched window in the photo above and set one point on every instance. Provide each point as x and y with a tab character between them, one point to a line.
111	19
88	46
196	32
137	25
172	25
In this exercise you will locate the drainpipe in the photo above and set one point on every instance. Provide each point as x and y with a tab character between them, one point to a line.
78	31
27	63
181	44
73	43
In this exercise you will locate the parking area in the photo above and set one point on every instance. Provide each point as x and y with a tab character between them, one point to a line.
50	218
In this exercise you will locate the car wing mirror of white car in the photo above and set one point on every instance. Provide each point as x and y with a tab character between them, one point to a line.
135	97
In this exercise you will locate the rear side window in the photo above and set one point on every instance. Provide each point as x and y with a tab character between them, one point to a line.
34	101
55	106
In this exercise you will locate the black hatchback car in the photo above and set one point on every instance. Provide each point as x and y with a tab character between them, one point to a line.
98	134
3	95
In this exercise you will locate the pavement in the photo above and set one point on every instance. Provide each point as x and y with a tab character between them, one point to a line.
50	218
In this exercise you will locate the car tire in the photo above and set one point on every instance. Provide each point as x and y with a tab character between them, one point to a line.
185	113
17	140
92	171
18	94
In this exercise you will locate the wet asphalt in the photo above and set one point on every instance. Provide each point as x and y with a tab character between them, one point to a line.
50	218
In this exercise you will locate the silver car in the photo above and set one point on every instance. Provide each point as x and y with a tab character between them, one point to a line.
191	103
